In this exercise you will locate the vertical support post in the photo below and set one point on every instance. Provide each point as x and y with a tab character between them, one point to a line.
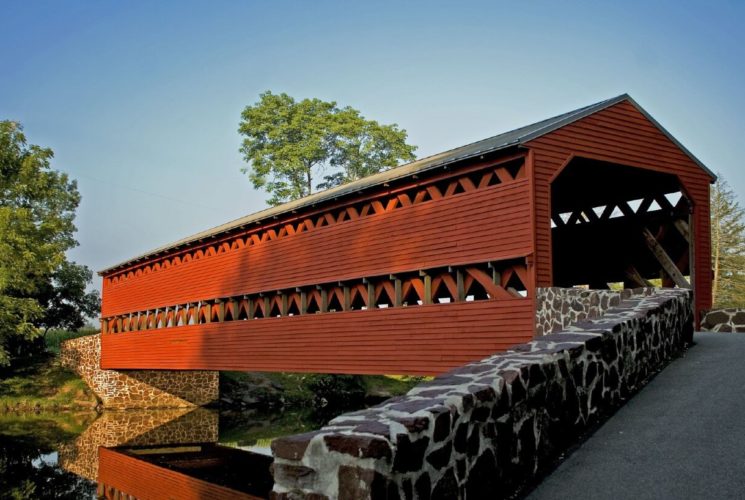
303	302
220	310
233	307
370	294
324	299
207	312
347	298
250	310
692	268
267	307
397	291
427	279
460	285
284	307
496	276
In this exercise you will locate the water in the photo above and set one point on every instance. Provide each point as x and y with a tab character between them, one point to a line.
143	454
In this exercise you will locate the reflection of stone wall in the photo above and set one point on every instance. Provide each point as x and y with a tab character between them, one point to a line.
557	308
137	428
724	320
483	429
137	388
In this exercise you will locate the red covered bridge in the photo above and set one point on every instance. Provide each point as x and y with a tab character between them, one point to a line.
428	265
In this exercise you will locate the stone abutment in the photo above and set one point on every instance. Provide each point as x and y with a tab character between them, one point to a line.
486	428
129	389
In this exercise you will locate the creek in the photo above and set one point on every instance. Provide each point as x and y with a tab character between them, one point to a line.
144	453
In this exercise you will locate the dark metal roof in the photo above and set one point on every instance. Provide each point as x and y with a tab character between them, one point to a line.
498	142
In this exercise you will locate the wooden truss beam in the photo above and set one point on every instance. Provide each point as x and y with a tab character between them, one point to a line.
664	259
635	277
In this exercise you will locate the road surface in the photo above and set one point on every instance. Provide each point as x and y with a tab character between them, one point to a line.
682	436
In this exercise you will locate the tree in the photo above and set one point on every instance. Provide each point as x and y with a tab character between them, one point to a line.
37	212
727	246
288	144
64	298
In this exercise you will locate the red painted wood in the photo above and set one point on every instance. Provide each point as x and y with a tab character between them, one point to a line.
489	224
492	223
407	340
146	481
620	134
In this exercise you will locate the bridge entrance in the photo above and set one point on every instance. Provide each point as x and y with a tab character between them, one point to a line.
614	223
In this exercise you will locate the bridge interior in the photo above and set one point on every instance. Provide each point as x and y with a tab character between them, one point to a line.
613	223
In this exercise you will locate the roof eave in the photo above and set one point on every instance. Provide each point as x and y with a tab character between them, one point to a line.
311	203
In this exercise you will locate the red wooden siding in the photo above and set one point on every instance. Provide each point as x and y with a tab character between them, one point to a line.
409	340
488	224
623	135
122	474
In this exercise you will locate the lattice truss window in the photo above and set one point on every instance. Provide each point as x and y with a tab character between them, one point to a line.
473	282
444	186
632	208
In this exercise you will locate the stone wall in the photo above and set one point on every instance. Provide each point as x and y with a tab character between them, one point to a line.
137	388
557	308
483	430
724	320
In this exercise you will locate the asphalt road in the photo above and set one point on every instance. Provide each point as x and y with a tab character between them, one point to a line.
682	436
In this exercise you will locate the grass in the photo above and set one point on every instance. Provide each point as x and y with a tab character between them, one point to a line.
54	338
392	384
296	388
48	427
41	384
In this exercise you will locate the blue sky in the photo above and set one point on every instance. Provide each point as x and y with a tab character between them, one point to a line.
141	101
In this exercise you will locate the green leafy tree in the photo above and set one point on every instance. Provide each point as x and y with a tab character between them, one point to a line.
289	144
66	302
37	212
727	247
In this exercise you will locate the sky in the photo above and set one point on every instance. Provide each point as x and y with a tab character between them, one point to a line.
141	101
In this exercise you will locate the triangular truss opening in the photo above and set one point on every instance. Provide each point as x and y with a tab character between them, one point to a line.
275	309
358	300
259	308
313	306
514	168
384	299
292	307
441	293
412	298
228	316
334	303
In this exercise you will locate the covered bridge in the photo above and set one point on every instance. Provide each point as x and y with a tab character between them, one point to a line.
426	266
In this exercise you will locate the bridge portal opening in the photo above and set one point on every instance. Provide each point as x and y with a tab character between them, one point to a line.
613	223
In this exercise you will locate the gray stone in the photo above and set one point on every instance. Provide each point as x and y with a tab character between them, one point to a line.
409	454
358	445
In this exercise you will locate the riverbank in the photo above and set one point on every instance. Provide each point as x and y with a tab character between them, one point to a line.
40	384
309	390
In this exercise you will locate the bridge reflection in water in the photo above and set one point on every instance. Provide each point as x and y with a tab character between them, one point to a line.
165	454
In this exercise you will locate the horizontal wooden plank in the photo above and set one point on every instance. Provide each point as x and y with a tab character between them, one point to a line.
418	340
488	224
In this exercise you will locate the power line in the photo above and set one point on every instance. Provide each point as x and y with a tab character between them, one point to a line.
142	191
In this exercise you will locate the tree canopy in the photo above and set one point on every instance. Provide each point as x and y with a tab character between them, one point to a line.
289	144
37	212
727	247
